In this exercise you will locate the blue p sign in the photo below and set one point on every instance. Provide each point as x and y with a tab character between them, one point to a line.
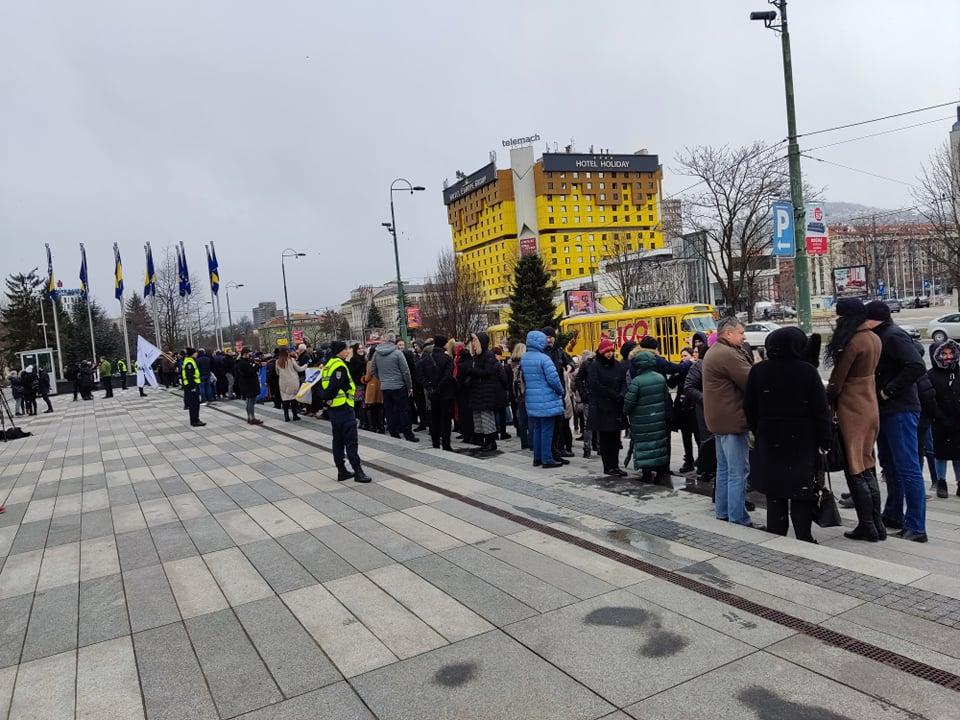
784	241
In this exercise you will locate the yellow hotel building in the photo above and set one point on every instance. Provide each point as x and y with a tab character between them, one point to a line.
574	209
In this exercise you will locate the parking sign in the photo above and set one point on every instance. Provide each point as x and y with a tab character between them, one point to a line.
784	240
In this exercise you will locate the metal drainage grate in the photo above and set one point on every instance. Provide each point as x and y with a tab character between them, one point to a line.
830	637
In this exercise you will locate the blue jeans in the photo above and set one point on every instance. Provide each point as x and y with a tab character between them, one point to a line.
206	390
942	470
732	465
541	438
897	445
926	450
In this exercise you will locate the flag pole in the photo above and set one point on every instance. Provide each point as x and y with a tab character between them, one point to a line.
213	302
188	322
123	309
56	332
153	296
217	308
86	298
43	323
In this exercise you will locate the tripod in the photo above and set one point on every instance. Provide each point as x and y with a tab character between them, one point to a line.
6	414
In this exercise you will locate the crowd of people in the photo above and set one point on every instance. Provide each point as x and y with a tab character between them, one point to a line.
759	419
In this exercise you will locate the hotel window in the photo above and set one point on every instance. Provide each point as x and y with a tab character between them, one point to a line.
650	218
576	174
550	221
576	208
651	235
600	175
589	186
601	187
566	249
613	174
563	208
616	197
588	176
568	271
566	261
589	218
549	208
603	196
564	220
614	185
576	219
563	175
549	186
563	198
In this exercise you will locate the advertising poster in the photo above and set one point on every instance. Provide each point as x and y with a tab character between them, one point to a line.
413	317
815	230
850	282
579	302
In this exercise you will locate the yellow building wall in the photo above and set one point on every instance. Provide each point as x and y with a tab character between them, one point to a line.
489	249
576	234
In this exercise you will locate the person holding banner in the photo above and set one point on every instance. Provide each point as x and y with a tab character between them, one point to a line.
339	391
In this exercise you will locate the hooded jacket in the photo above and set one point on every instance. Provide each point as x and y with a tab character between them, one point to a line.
390	365
786	408
543	393
607	383
647	405
945	379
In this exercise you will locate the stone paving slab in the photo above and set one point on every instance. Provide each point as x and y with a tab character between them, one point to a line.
157	571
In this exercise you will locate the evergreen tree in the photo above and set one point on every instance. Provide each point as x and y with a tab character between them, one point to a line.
139	320
374	318
343	332
76	342
20	315
531	299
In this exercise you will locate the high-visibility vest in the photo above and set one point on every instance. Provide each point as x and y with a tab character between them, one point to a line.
121	366
343	397
190	373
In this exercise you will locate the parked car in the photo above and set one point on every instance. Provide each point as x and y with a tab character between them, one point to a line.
911	330
918	301
947	326
893	304
756	332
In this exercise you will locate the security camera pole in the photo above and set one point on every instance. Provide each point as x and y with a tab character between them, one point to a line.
801	274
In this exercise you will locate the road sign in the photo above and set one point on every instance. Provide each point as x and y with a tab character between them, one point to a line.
815	231
784	241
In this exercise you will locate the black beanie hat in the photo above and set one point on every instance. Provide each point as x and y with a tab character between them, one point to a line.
439	340
648	342
851	307
549	331
878	310
337	346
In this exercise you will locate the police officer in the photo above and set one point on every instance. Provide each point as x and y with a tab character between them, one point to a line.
338	393
190	378
122	369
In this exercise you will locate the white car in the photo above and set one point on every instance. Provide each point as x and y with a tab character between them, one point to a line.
945	327
756	332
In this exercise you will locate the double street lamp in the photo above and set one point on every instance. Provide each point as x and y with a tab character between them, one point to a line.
801	274
229	314
289	252
392	228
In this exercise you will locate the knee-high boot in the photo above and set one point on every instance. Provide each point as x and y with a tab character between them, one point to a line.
873	485
863	503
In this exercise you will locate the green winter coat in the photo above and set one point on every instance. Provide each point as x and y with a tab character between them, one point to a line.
646	407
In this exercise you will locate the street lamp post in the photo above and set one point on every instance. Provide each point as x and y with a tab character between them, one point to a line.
801	273
289	252
229	314
392	227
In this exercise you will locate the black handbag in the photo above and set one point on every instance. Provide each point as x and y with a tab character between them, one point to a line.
825	511
836	458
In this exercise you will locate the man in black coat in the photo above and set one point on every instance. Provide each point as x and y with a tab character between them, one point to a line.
248	383
897	373
436	377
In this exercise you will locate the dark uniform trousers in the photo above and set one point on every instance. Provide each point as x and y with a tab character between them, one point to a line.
191	397
343	423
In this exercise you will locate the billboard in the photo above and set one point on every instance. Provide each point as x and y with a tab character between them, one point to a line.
579	302
815	230
850	282
484	176
413	318
580	162
528	246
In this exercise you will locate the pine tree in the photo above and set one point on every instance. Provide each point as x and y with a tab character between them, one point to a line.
531	299
343	332
20	315
139	320
374	318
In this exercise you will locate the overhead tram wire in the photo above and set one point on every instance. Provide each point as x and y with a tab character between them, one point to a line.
857	170
750	156
882	132
877	119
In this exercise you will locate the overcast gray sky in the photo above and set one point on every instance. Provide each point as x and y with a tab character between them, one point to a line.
265	125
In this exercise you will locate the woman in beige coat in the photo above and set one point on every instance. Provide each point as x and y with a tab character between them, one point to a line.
854	351
288	371
373	397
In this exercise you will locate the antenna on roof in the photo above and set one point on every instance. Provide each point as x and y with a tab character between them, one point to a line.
591	149
493	157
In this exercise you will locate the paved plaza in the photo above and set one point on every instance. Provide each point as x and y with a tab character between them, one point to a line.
152	570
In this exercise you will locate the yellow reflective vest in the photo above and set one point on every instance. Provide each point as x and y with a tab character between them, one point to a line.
190	373
343	397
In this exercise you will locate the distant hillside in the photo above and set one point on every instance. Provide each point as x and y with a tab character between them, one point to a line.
838	212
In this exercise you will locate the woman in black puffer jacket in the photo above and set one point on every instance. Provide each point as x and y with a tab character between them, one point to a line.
487	389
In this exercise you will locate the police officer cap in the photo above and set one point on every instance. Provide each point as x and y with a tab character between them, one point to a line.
337	346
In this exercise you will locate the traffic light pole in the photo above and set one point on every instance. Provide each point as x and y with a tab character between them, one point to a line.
800	268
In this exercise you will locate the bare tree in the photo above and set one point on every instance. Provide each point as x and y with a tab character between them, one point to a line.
938	200
870	245
174	313
732	204
641	278
452	301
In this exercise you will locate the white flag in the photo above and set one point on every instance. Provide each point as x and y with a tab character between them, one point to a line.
147	354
